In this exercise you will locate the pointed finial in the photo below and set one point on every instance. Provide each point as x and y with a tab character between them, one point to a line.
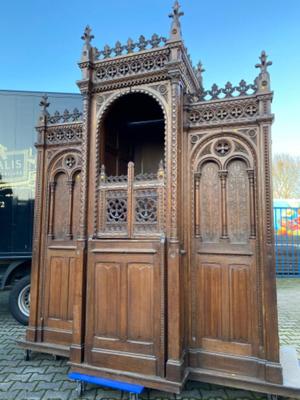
44	104
264	64
87	37
44	115
88	52
175	33
263	79
199	71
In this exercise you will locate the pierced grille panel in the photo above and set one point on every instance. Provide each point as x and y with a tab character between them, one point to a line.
116	211
146	211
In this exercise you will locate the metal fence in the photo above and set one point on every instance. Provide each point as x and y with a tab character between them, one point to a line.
287	241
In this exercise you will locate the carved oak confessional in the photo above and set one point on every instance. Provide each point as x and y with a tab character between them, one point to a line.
153	240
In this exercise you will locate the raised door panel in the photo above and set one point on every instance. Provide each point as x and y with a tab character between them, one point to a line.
59	297
222	312
208	293
239	303
140	315
107	299
124	313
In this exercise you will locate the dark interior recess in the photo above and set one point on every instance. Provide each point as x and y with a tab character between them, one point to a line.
133	131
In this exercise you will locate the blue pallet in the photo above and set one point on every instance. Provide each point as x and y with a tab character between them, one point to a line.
129	387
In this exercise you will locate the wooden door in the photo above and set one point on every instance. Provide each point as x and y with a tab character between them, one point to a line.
61	261
125	306
223	258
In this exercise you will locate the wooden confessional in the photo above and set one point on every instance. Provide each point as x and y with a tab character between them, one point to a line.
153	240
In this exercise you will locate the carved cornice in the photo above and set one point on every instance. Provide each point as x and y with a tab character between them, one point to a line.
131	65
130	82
222	112
64	134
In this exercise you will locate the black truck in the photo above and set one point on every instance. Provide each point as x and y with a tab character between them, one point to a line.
19	111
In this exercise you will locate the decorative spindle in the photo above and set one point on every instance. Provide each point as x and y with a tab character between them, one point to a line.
142	43
102	174
107	51
118	48
130	46
160	172
130	212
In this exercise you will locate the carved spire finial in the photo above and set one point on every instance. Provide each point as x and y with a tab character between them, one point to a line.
44	104
263	79
175	33
87	37
199	71
89	53
264	64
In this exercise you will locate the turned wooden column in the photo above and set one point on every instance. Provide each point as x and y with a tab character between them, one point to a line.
77	347
252	203
52	186
175	362
223	178
33	331
197	205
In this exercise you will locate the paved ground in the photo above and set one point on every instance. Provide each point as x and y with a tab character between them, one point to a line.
43	378
288	298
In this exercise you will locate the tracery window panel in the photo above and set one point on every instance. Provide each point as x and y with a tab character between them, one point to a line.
61	217
238	202
210	203
146	210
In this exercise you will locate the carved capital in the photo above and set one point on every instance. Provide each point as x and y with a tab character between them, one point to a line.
52	186
223	175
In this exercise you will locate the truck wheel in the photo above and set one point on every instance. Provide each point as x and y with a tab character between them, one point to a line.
19	300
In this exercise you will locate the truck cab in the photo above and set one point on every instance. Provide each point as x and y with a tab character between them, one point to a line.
19	112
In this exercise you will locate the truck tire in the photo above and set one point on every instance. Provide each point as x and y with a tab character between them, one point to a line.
19	300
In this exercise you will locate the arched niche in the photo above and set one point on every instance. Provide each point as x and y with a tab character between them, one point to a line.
132	129
238	201
59	208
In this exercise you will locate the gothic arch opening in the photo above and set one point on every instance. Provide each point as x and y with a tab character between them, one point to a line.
133	130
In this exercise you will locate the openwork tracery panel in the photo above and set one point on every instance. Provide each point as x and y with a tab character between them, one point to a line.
131	205
116	211
146	210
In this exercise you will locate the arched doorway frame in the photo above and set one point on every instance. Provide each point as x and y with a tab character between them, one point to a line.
100	117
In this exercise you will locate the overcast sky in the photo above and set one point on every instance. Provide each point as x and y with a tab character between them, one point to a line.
40	44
